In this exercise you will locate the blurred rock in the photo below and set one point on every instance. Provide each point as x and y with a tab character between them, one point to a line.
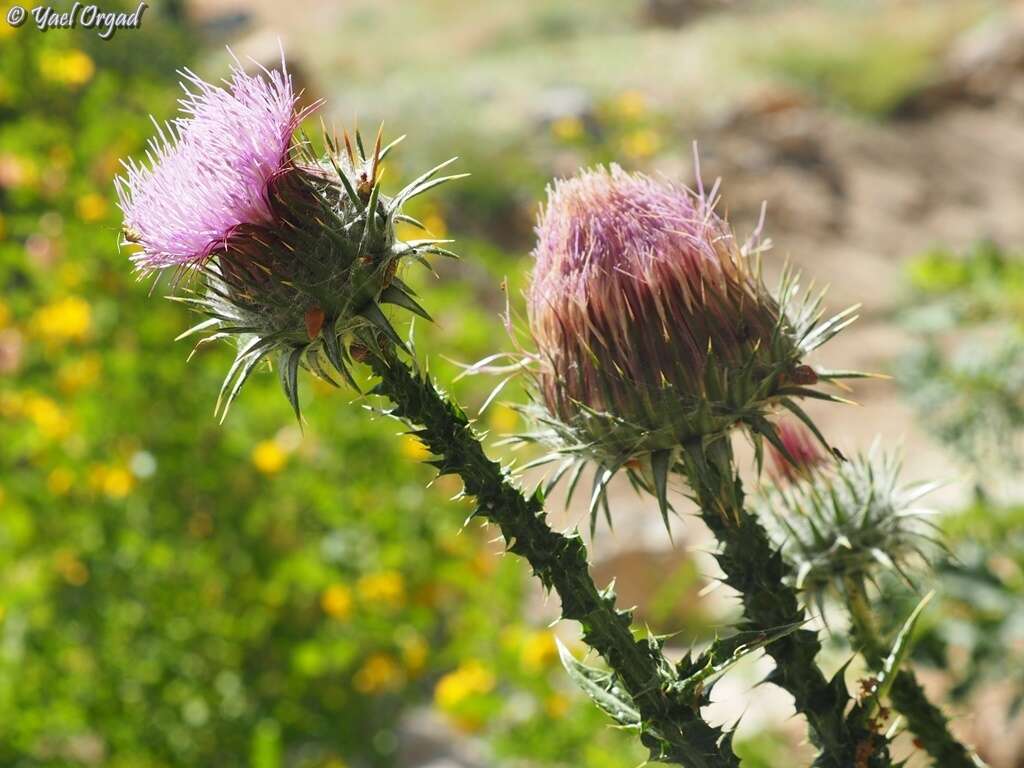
426	740
982	67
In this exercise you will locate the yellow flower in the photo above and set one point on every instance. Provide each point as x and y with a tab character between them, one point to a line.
47	416
556	705
91	207
379	673
568	128
435	224
430	218
470	679
5	315
70	568
386	588
59	481
71	67
413	449
641	143
538	651
117	482
336	601
76	375
268	457
631	105
414	654
64	320
502	418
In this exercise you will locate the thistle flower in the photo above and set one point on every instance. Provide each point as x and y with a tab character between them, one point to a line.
294	252
845	522
654	328
798	455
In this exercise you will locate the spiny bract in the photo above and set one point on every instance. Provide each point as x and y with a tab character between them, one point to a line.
294	252
653	328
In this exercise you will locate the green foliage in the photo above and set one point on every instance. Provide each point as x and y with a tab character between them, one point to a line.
966	378
870	71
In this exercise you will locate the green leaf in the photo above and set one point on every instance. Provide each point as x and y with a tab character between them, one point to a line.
900	648
602	689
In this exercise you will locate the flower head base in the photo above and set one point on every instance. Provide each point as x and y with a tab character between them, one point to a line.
849	520
296	252
653	327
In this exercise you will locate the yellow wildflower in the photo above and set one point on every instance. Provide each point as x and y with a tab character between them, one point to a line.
568	128
117	482
556	705
435	224
641	143
630	105
76	375
47	416
64	320
91	207
72	67
59	481
502	418
336	601
386	588
470	679
538	651
414	654
268	457
413	449
379	673
70	568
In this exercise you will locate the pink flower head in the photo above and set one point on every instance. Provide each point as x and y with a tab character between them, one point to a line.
638	286
208	171
803	453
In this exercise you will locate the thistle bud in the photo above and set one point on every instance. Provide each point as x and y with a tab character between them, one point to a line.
294	252
849	520
653	326
798	454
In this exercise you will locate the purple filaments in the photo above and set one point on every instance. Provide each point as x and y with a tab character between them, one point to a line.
207	172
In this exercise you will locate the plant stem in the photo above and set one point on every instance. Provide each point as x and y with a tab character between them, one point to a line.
907	696
757	571
671	725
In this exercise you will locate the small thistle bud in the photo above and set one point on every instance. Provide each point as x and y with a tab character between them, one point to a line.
654	328
848	520
295	252
798	454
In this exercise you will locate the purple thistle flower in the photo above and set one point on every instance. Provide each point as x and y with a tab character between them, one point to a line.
653	327
293	252
208	171
638	284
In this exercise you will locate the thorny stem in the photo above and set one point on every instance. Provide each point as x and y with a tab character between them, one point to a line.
757	571
907	696
671	725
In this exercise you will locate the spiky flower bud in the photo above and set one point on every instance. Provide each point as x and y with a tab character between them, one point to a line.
653	326
295	251
845	522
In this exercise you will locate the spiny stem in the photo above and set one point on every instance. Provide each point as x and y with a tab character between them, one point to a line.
907	696
671	725
757	571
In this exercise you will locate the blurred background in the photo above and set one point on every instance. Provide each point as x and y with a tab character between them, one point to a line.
178	593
